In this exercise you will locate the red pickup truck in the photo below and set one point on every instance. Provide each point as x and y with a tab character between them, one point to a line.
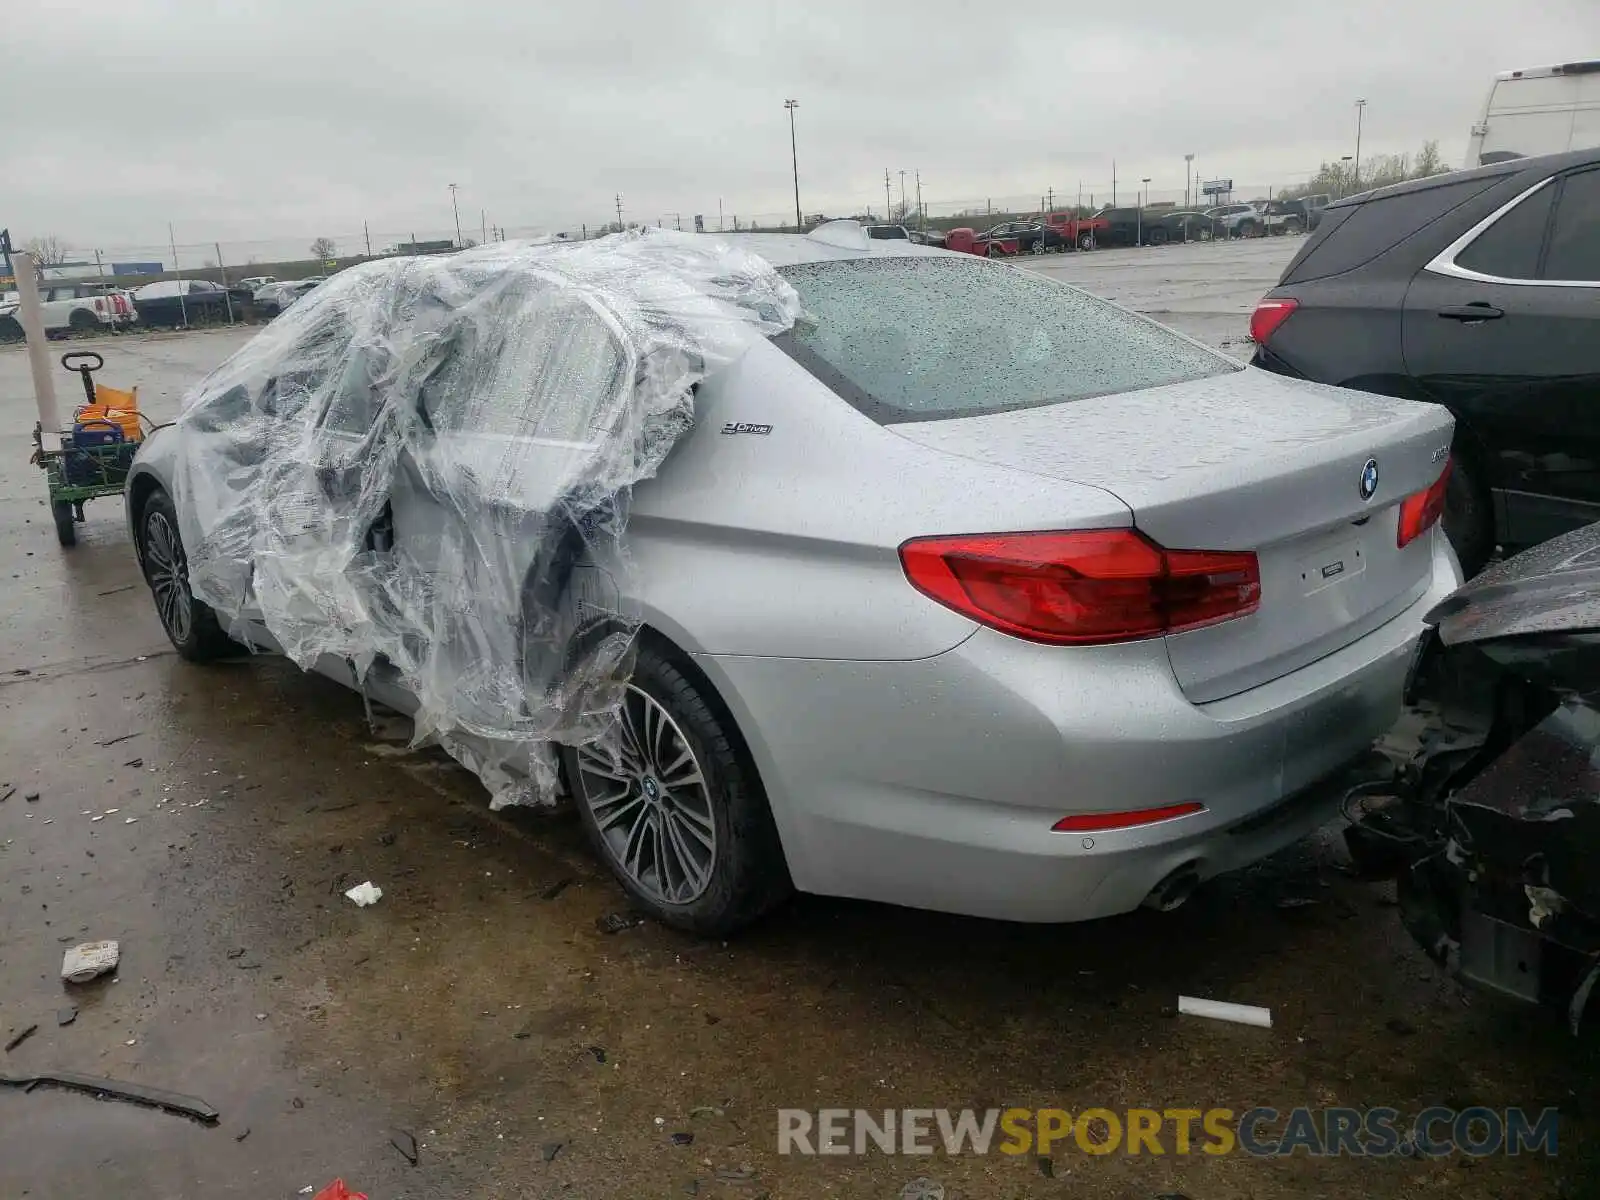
1073	230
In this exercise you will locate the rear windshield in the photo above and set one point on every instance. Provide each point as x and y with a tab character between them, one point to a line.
926	339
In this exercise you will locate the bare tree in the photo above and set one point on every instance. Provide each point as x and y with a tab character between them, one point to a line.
323	248
48	251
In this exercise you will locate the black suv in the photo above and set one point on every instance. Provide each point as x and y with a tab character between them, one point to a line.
1479	290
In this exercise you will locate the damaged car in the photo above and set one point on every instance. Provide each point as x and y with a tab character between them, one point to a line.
1493	826
815	562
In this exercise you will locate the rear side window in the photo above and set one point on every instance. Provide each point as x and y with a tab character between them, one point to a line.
1575	238
1378	225
1509	249
924	339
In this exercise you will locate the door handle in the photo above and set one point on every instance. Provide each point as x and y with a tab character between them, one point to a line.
1476	311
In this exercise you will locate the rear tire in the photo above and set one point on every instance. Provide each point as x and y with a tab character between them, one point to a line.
66	526
1157	237
1086	241
1246	229
994	250
688	832
1469	517
82	321
10	330
191	625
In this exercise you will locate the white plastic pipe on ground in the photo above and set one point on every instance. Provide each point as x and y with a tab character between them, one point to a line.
31	318
1221	1010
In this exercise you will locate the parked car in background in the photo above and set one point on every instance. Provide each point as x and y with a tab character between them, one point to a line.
1180	226
1166	598
970	241
1538	110
179	302
255	283
1072	230
275	297
1010	237
888	233
1479	290
1235	220
72	307
928	237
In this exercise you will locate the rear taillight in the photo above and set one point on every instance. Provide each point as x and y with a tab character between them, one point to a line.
1421	510
1269	314
1084	588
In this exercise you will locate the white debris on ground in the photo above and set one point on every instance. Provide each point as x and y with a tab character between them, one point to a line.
364	894
89	961
1221	1010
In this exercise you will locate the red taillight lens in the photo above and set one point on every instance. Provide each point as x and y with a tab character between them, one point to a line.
1094	822
1086	588
1420	510
1269	314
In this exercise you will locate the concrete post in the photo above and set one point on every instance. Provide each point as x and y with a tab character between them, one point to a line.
32	319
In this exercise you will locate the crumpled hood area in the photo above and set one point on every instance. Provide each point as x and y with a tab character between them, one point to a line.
408	466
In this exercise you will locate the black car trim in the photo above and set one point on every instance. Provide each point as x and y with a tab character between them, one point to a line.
1444	263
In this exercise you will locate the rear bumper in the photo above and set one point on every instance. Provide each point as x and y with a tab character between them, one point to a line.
934	783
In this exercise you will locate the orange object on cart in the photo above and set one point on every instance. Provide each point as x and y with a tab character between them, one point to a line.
115	406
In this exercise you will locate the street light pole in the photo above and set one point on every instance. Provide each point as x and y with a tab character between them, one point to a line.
1188	165
794	155
1138	221
1361	108
456	208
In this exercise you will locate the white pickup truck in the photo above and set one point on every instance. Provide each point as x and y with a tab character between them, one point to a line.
70	307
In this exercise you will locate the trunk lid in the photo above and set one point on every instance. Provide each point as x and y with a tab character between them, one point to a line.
1245	461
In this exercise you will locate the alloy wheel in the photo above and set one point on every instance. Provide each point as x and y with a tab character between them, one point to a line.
168	573
650	801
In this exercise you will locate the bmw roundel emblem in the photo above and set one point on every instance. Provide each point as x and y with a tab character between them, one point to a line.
1369	478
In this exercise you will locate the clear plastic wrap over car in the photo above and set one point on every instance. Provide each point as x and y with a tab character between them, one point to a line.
513	393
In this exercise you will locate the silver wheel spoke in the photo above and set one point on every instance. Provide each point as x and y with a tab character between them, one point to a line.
633	849
620	809
681	822
591	763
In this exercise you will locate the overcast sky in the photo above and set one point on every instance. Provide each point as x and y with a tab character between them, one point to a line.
276	121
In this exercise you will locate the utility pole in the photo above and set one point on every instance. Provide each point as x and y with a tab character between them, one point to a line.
888	209
367	233
902	197
456	208
619	212
1188	163
1113	183
1138	221
794	154
719	214
1050	196
183	305
1361	108
483	225
922	217
227	296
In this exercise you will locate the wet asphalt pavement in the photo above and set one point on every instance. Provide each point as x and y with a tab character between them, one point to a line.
480	1008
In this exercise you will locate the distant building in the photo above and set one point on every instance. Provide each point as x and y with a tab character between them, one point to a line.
144	268
413	247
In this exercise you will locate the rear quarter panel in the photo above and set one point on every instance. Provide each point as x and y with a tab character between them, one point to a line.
786	543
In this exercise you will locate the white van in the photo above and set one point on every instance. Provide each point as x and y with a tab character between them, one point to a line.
1538	110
